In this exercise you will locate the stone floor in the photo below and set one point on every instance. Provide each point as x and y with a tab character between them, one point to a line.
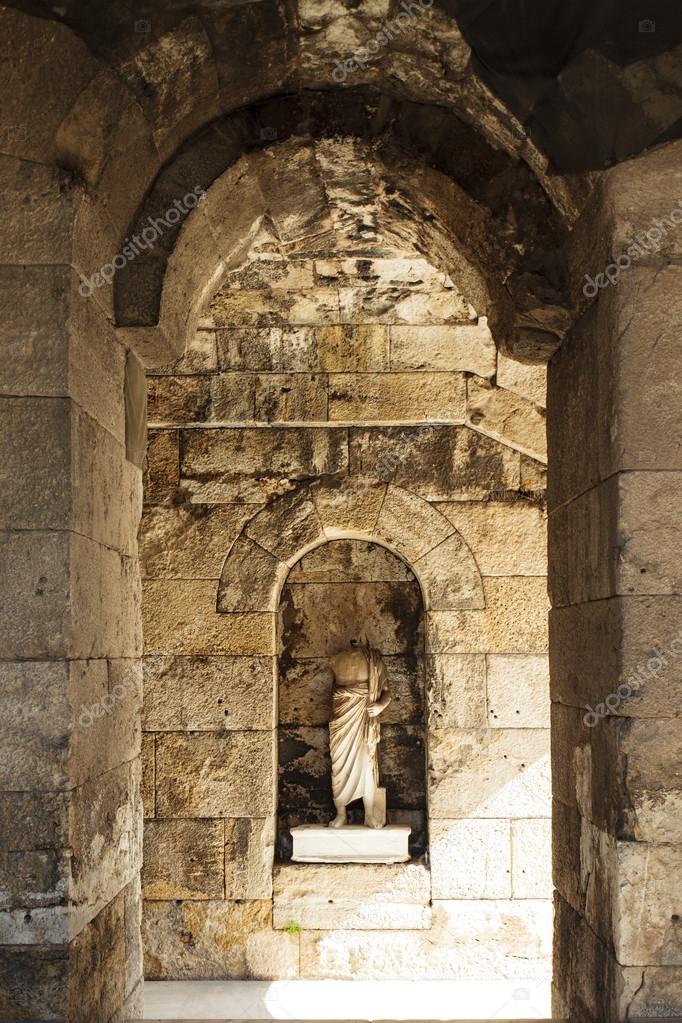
348	1000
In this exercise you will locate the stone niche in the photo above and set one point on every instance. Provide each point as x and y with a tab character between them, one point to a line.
334	594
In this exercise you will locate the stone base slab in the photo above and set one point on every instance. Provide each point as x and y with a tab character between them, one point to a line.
354	843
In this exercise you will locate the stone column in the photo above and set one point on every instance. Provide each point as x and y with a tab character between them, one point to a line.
70	636
615	540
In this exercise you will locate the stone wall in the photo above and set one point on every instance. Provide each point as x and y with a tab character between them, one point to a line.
358	404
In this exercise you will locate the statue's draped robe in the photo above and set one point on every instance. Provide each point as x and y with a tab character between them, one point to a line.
354	736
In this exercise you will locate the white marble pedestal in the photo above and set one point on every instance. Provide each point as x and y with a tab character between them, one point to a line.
353	843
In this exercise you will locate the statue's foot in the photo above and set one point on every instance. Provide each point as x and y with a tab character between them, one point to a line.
338	821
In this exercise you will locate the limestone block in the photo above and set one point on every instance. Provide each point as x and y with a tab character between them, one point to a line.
649	533
105	698
272	955
183	860
214	774
36	718
417	274
105	817
489	773
514	620
34	569
348	896
391	397
251	348
190	541
644	193
528	381
398	304
468	939
282	398
105	490
469	348
348	504
40	214
33	879
208	693
647	895
251	464
438	463
179	618
35	362
37	460
533	477
531	859
200	356
652	991
506	538
383	610
352	348
471	859
507	417
205	940
349	561
410	525
518	691
33	981
33	820
456	690
162	469
638	327
249	855
287	525
270	270
34	300
148	781
251	578
274	308
298	350
175	400
651	751
449	576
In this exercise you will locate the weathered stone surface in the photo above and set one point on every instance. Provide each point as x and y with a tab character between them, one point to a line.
251	578
531	859
401	305
348	504
214	774
272	955
389	611
352	348
205	940
469	348
148	779
470	859
208	693
506	538
518	691
489	773
249	854
396	397
514	620
322	896
293	398
450	577
528	381
162	471
180	618
183	860
34	611
189	542
274	308
410	525
456	687
507	417
468	938
37	459
256	464
349	561
287	526
174	401
438	463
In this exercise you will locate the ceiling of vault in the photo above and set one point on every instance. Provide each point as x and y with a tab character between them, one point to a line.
578	84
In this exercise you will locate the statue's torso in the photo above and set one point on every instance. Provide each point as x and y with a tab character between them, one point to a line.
350	668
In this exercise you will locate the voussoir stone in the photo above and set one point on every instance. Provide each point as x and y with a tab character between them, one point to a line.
287	526
410	525
348	504
251	578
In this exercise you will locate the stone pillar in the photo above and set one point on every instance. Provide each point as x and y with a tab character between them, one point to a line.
70	638
615	539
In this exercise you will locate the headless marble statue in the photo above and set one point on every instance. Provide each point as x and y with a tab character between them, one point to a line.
359	697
